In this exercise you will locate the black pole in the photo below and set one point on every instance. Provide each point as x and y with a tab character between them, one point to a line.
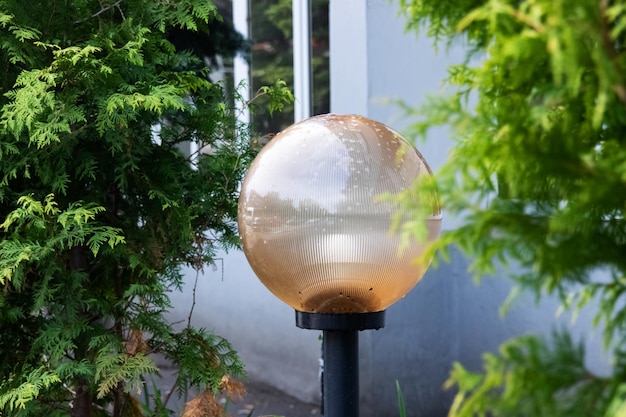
341	373
340	380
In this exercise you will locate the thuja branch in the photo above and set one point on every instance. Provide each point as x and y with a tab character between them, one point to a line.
609	44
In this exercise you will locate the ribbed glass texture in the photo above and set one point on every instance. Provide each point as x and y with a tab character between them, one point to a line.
313	227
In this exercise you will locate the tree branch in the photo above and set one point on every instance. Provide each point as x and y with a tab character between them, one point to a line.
193	298
115	5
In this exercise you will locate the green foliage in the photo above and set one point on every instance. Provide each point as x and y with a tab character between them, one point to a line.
277	95
401	404
528	377
114	369
200	352
100	203
537	179
36	381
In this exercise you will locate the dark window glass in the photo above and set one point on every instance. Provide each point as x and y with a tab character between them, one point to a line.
271	58
271	35
320	57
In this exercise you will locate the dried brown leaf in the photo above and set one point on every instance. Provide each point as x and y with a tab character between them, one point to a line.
132	407
233	389
136	343
204	405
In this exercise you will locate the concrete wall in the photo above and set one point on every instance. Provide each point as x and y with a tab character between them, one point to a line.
445	318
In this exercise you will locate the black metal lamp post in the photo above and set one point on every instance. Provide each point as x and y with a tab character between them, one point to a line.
318	234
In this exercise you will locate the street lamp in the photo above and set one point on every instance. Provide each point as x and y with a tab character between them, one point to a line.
317	233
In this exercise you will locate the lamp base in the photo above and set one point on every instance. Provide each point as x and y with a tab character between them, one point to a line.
340	321
340	379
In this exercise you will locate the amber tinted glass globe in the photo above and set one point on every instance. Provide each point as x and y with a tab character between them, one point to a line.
313	227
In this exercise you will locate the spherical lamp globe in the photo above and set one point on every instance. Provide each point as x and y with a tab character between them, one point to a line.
314	227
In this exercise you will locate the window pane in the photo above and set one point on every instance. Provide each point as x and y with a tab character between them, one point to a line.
271	58
320	76
271	33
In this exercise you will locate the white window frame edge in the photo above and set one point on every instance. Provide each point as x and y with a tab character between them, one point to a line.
301	59
241	68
